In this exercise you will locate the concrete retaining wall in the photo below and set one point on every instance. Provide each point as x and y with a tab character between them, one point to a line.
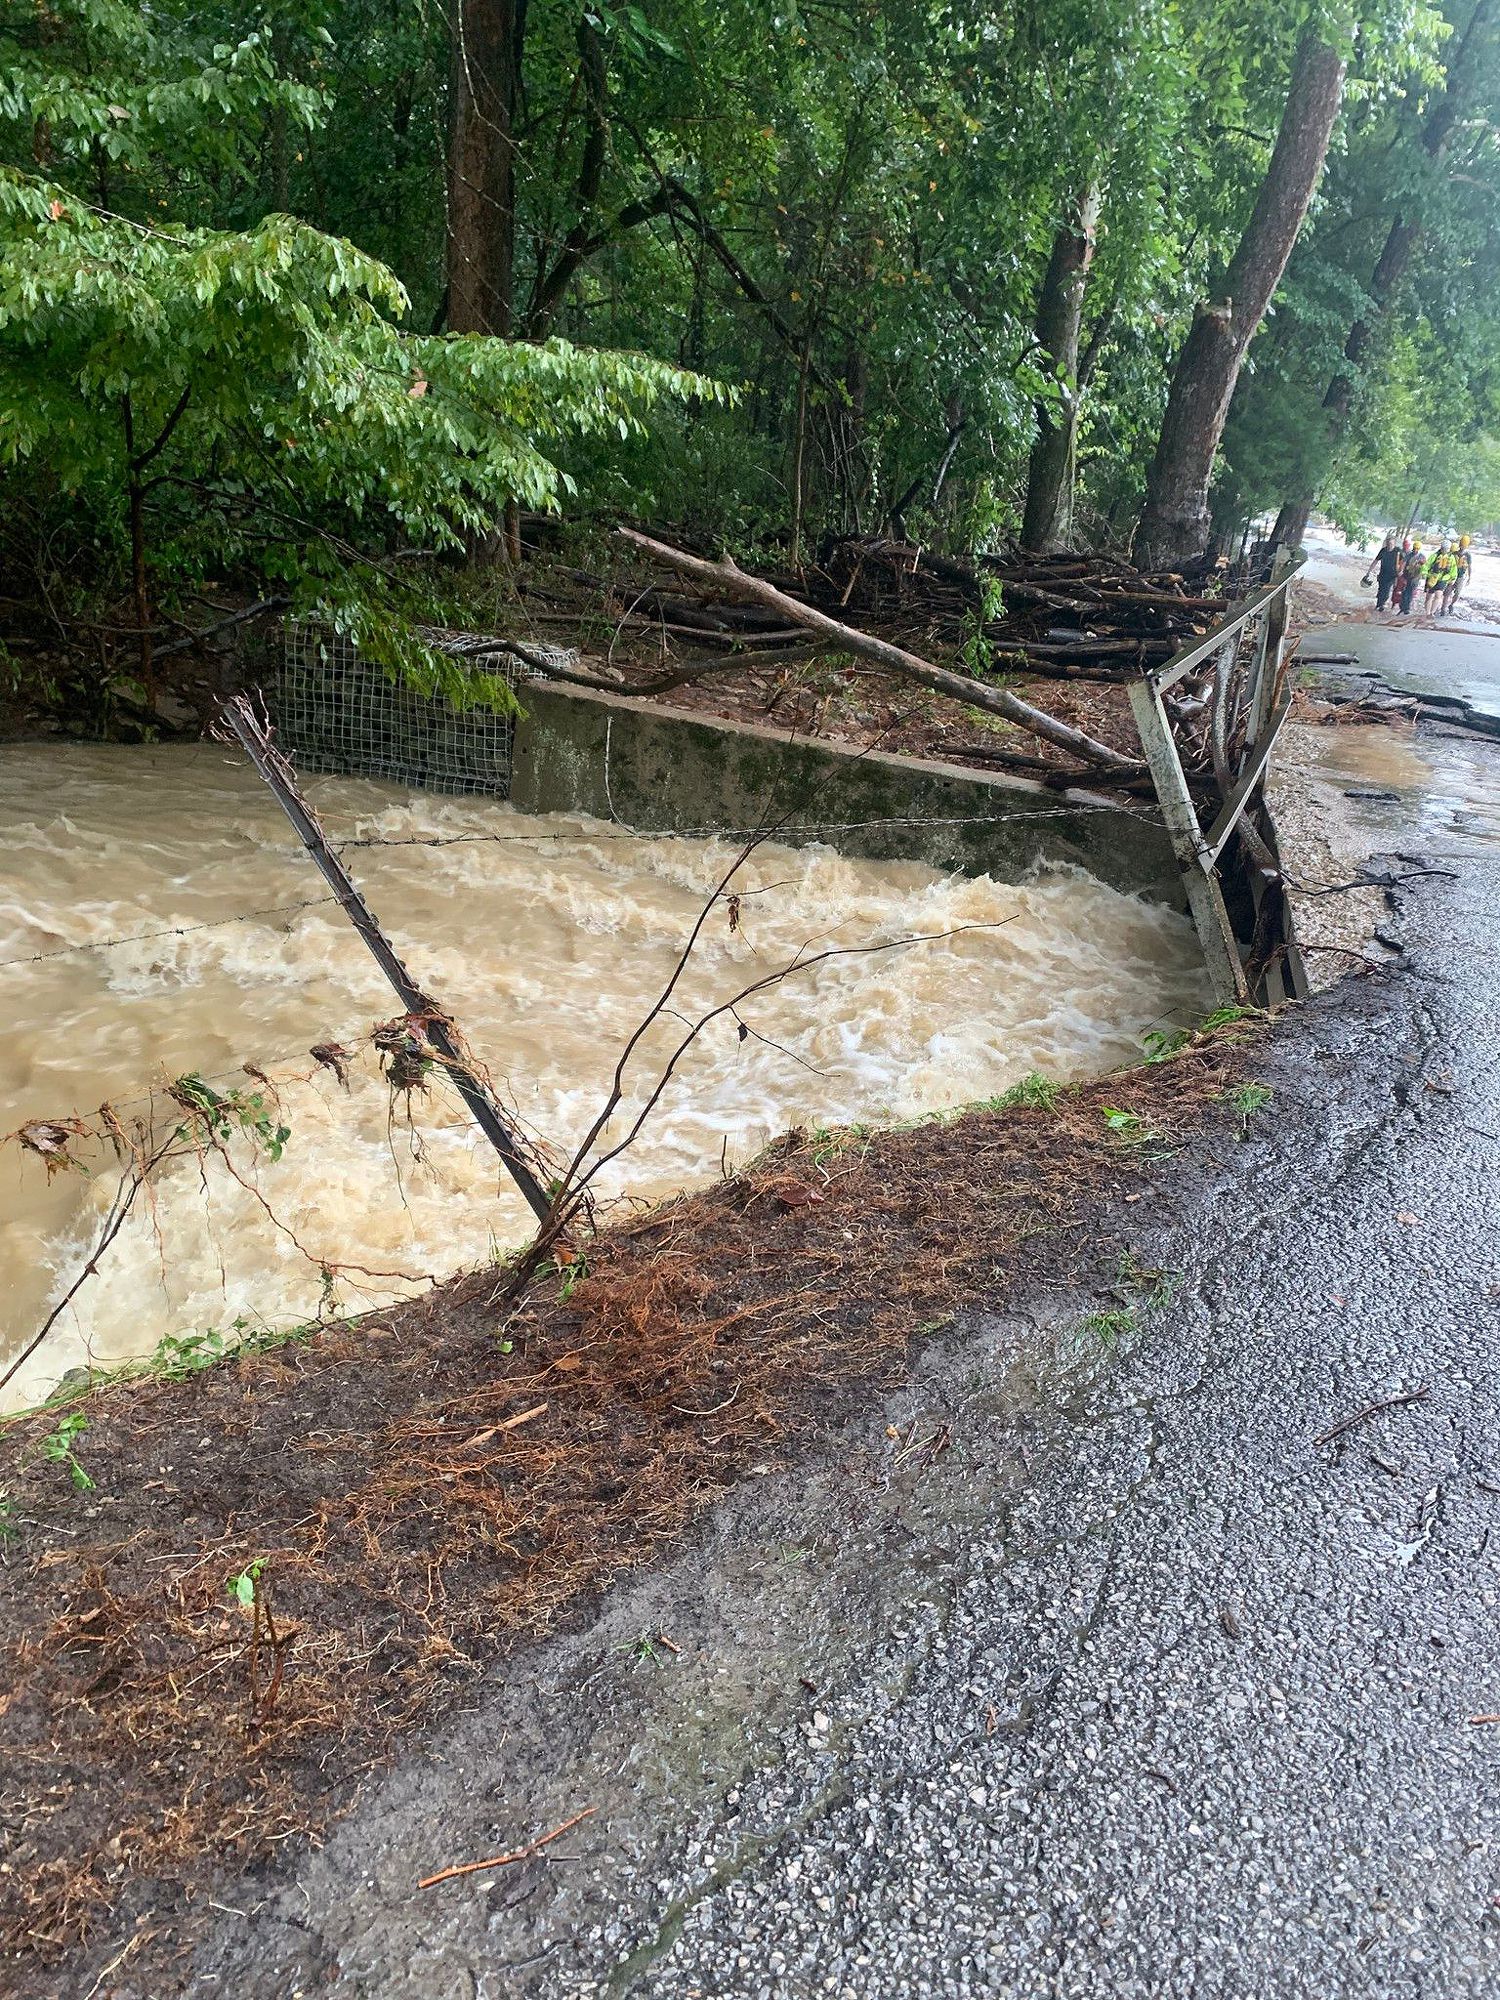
669	770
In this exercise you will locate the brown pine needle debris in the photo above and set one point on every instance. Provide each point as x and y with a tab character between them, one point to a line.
290	1559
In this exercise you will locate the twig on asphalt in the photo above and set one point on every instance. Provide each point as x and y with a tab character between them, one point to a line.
1474	1720
1372	882
1370	1410
516	1853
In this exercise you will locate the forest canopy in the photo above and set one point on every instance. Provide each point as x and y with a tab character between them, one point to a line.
291	297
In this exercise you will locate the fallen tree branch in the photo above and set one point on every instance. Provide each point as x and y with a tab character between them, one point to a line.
258	610
728	576
1370	1410
515	1854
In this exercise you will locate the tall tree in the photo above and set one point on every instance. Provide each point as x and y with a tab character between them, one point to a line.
1174	522
1048	519
488	46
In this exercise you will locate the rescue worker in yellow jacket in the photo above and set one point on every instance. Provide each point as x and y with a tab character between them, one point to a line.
1440	570
1463	569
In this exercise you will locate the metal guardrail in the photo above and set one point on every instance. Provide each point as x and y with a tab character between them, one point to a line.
1216	709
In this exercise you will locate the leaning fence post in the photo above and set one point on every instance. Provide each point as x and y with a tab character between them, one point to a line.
254	735
1180	817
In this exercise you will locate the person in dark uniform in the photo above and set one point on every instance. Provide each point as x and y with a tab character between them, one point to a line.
1385	565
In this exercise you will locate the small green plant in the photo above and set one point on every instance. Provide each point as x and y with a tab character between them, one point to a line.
58	1447
179	1355
1224	1017
1161	1044
1127	1126
8	1529
1154	1287
572	1277
975	650
222	1113
244	1586
1109	1329
1033	1092
649	1649
831	1142
1247	1100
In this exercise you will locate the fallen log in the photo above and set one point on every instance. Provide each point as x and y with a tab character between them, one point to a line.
728	575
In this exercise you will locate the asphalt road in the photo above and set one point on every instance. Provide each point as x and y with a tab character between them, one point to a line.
1452	662
1136	1690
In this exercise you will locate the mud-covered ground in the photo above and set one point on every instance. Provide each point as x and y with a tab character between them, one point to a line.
1142	1641
224	1597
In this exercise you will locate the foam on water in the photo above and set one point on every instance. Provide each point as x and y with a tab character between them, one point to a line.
548	947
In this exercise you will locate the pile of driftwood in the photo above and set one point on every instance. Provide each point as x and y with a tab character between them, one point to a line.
893	604
1068	617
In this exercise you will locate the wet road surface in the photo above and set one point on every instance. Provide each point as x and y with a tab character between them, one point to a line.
1453	661
1136	1690
1449	667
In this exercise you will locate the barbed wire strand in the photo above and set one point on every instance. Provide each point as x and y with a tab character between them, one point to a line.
166	930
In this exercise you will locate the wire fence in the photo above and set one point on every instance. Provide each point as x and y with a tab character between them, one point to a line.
347	717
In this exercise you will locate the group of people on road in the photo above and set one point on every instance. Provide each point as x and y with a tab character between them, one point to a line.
1400	570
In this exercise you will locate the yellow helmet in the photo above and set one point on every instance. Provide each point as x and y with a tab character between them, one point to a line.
1463	541
1415	546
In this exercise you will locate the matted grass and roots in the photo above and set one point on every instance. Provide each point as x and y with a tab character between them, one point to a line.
415	1493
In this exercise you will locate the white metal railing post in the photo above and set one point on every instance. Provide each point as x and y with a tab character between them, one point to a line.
1266	612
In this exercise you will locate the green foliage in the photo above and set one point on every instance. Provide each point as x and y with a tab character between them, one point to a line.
222	237
1423	428
1161	1044
1140	1289
227	398
58	1447
1154	1288
245	1585
1247	1099
223	1113
1127	1126
1032	1092
976	652
180	1355
573	1276
1110	1329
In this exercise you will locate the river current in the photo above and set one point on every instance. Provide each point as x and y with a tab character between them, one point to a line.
547	939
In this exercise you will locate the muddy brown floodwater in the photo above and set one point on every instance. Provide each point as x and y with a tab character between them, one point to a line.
547	938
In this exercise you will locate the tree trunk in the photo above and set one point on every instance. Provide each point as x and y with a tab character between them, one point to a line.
1291	522
799	451
488	37
1048	519
1175	519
